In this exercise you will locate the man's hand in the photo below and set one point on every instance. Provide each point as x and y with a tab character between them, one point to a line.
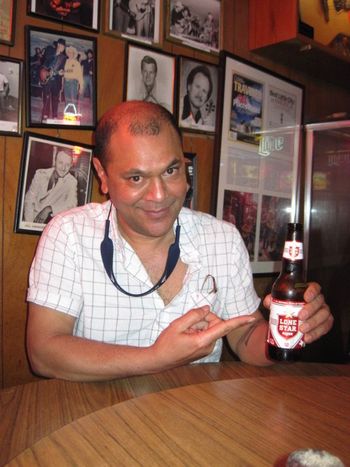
315	314
192	336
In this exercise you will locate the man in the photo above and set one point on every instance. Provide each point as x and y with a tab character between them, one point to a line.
95	311
51	191
149	71
198	109
4	90
51	78
88	73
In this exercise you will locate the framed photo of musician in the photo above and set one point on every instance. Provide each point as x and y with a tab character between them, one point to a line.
150	76
7	22
61	79
136	20
55	176
82	13
197	105
11	84
196	24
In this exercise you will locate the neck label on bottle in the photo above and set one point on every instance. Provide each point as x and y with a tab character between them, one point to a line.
293	250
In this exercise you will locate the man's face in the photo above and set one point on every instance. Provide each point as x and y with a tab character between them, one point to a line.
146	180
63	164
198	91
148	74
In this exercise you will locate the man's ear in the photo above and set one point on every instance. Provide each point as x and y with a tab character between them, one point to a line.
101	175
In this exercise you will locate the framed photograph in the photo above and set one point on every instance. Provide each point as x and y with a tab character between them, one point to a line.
137	20
11	84
196	24
61	79
191	175
197	105
150	76
257	158
83	14
7	22
55	176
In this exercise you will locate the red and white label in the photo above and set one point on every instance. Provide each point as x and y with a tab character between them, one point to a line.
284	325
293	251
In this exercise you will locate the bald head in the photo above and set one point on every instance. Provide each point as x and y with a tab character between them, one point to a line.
137	118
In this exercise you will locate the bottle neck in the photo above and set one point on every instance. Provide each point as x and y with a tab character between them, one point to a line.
292	267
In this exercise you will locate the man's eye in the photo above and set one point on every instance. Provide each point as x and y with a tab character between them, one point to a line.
135	178
171	170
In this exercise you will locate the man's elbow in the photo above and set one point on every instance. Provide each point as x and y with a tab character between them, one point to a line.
37	356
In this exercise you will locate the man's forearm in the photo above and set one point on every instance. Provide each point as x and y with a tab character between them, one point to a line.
251	347
74	358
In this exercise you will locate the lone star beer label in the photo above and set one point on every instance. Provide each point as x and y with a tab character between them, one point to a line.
293	251
284	325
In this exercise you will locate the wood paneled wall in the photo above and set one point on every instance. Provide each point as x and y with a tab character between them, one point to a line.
16	250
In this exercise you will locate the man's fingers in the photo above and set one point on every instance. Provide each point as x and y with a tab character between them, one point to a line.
191	318
222	328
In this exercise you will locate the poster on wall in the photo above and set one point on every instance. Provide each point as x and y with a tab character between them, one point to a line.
258	158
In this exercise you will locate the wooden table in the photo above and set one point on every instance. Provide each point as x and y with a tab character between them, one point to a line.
281	404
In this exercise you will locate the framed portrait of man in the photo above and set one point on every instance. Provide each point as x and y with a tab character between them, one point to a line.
61	79
196	24
198	82
82	14
136	20
11	81
55	176
150	76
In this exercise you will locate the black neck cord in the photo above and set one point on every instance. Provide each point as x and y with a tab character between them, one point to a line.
107	259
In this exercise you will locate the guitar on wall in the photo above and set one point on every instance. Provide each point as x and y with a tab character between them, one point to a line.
330	7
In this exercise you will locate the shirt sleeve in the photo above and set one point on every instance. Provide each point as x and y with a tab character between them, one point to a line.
54	279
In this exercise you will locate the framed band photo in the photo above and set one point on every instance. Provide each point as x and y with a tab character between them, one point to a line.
55	176
150	76
196	24
197	95
11	84
61	79
82	14
258	158
136	20
7	22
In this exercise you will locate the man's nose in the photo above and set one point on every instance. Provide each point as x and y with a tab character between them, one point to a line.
156	190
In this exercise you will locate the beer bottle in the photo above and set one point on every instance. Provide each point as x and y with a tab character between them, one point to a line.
284	340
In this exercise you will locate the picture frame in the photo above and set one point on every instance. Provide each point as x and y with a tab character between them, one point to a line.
257	163
191	175
61	88
150	76
131	21
11	77
7	21
198	91
83	15
195	24
55	175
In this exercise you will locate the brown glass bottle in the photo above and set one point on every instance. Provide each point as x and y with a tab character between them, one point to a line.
284	340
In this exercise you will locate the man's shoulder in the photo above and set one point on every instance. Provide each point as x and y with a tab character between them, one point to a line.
203	223
82	217
44	172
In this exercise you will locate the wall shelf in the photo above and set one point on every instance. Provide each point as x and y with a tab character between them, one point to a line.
273	34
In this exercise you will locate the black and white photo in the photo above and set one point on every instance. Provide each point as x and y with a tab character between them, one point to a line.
61	81
150	76
11	83
138	20
198	95
82	13
195	23
55	176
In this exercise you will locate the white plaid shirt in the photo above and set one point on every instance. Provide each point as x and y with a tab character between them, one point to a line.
67	275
